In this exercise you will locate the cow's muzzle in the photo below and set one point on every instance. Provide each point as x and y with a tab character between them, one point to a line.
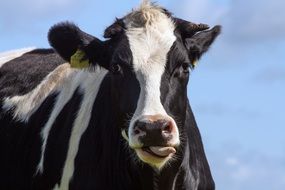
155	139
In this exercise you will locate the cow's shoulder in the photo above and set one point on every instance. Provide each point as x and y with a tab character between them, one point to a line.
22	74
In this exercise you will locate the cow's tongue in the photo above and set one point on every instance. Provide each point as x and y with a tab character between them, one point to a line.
162	151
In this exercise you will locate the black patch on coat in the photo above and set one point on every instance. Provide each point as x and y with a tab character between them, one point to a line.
58	144
20	147
21	75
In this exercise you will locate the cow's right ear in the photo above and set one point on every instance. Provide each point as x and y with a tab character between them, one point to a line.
66	38
199	43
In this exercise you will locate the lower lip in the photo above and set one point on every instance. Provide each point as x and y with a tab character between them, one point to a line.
148	151
145	155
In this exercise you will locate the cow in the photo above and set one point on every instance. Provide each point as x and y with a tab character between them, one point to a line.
122	122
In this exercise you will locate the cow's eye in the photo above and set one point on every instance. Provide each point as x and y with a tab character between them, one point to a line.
116	68
186	67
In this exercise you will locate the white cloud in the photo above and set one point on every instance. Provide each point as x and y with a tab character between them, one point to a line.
232	161
207	11
242	173
271	75
236	168
15	15
33	6
256	20
243	21
221	110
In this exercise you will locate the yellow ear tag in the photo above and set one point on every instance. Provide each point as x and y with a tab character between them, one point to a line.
76	60
195	63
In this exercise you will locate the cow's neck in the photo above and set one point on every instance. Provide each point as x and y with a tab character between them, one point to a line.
195	165
116	163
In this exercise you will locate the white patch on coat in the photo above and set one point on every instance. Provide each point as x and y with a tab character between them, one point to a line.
24	106
151	35
10	55
89	87
66	91
64	81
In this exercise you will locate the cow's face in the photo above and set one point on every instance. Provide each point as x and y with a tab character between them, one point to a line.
152	132
150	66
149	56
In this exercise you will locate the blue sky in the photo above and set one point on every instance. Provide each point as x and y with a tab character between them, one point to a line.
237	91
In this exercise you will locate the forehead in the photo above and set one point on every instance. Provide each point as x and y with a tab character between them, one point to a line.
150	34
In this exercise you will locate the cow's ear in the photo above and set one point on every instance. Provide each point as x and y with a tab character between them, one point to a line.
66	38
187	29
200	42
115	29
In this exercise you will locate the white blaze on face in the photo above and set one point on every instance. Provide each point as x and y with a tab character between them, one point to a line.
150	41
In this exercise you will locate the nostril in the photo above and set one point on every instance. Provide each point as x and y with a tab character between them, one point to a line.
138	127
167	127
136	131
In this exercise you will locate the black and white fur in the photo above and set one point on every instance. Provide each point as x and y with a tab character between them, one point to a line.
61	128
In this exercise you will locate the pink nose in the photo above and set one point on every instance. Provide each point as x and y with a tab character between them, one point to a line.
154	130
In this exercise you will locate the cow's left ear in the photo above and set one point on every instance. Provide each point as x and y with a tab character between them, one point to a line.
115	29
200	42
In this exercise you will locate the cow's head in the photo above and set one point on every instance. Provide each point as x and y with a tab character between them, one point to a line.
149	55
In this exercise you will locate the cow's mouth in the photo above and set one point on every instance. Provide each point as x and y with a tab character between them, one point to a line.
160	152
155	155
